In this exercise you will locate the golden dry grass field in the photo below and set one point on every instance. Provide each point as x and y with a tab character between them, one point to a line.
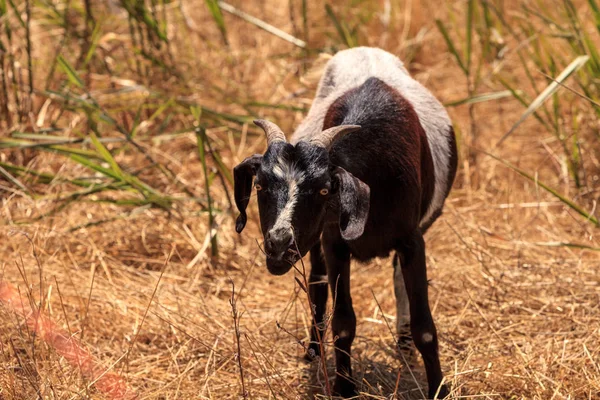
121	122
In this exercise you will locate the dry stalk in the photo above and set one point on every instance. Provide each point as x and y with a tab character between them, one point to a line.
262	367
87	304
236	326
29	55
401	354
262	24
164	268
304	286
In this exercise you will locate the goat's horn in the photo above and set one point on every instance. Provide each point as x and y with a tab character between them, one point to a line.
274	133
328	136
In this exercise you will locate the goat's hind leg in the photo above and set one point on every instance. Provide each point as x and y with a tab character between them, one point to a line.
404	341
422	327
317	290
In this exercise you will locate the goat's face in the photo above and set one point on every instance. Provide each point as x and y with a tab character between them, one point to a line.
295	186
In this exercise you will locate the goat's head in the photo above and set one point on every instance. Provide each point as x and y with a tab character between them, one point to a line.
296	185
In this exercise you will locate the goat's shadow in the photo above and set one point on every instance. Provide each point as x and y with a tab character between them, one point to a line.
381	371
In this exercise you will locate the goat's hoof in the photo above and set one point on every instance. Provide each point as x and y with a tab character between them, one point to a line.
442	393
312	353
344	388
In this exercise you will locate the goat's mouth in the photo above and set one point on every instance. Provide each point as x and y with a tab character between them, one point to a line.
279	264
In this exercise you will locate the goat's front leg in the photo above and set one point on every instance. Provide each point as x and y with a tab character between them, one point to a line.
421	322
317	290
343	325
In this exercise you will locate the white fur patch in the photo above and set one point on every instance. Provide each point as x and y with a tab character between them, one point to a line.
427	337
293	177
284	219
351	68
344	334
288	171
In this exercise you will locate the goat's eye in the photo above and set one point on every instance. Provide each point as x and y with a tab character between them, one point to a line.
257	186
324	192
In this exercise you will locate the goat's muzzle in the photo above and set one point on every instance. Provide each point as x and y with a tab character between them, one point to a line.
281	251
277	242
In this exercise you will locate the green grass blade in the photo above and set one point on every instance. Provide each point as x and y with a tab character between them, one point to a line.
481	98
486	31
276	106
202	144
43	177
95	39
58	140
596	12
44	137
222	167
98	168
588	216
70	72
546	93
592	51
211	113
581	95
6	143
215	11
450	45
14	181
519	96
68	151
469	46
148	192
17	13
201	139
341	30
106	155
305	19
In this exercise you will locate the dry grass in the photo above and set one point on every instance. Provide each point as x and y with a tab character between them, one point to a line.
514	273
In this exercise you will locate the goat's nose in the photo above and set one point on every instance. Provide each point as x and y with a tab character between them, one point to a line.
278	241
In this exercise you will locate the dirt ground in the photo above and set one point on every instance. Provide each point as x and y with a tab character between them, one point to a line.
514	284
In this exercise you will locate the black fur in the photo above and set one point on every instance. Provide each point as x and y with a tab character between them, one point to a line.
242	177
381	182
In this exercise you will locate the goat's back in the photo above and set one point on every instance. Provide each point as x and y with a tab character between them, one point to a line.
350	69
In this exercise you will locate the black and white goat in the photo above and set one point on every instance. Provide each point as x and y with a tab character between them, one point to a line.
366	173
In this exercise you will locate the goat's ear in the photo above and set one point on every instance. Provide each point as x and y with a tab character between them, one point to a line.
354	203
243	174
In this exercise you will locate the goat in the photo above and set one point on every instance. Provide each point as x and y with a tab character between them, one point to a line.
366	173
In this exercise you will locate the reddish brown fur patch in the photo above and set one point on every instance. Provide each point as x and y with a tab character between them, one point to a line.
409	128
